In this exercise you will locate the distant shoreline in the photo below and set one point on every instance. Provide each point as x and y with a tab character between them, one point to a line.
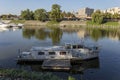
62	23
68	24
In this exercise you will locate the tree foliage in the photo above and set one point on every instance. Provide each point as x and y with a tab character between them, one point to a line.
107	15
40	14
97	17
27	14
55	14
116	16
8	16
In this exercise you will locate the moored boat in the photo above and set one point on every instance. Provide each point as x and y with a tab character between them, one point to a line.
69	51
3	25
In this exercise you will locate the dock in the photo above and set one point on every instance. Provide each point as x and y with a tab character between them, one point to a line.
56	64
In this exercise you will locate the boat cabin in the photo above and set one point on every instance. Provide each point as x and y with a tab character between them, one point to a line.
47	53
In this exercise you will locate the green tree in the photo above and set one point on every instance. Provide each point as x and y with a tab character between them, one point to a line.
27	14
107	15
55	14
4	17
64	14
97	17
116	16
40	14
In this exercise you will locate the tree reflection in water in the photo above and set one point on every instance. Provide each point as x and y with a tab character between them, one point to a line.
41	34
28	33
55	34
98	33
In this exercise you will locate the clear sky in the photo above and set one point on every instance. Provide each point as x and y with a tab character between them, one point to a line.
15	6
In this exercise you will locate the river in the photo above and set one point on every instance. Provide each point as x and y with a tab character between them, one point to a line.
106	67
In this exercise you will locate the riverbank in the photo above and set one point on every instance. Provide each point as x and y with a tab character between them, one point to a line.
62	23
15	74
68	24
104	25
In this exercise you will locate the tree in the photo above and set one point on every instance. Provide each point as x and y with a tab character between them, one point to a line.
107	15
27	14
4	17
97	17
116	16
55	14
40	14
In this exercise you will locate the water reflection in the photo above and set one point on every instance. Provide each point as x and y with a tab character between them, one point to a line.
28	33
99	33
11	41
55	34
77	69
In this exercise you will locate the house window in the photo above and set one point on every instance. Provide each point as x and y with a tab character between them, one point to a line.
51	53
62	53
40	53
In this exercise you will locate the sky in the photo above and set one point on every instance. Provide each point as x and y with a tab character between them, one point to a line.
15	6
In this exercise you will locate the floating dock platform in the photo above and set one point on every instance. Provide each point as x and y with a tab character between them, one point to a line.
56	64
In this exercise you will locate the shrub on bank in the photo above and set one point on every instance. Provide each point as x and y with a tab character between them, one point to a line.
13	74
111	23
52	24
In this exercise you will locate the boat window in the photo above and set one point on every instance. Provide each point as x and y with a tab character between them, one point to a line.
68	46
51	53
62	53
95	48
80	46
40	53
74	46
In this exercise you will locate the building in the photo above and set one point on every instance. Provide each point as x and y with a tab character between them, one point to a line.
85	13
113	10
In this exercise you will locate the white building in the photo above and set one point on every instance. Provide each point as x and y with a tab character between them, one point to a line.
85	12
113	10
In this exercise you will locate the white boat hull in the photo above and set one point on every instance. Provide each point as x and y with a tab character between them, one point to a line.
3	25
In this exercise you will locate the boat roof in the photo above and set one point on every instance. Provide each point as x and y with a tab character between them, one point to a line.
49	48
74	44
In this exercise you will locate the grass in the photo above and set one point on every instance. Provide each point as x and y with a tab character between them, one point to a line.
13	74
104	24
52	24
112	23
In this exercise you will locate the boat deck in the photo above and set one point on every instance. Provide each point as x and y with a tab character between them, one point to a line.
56	64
